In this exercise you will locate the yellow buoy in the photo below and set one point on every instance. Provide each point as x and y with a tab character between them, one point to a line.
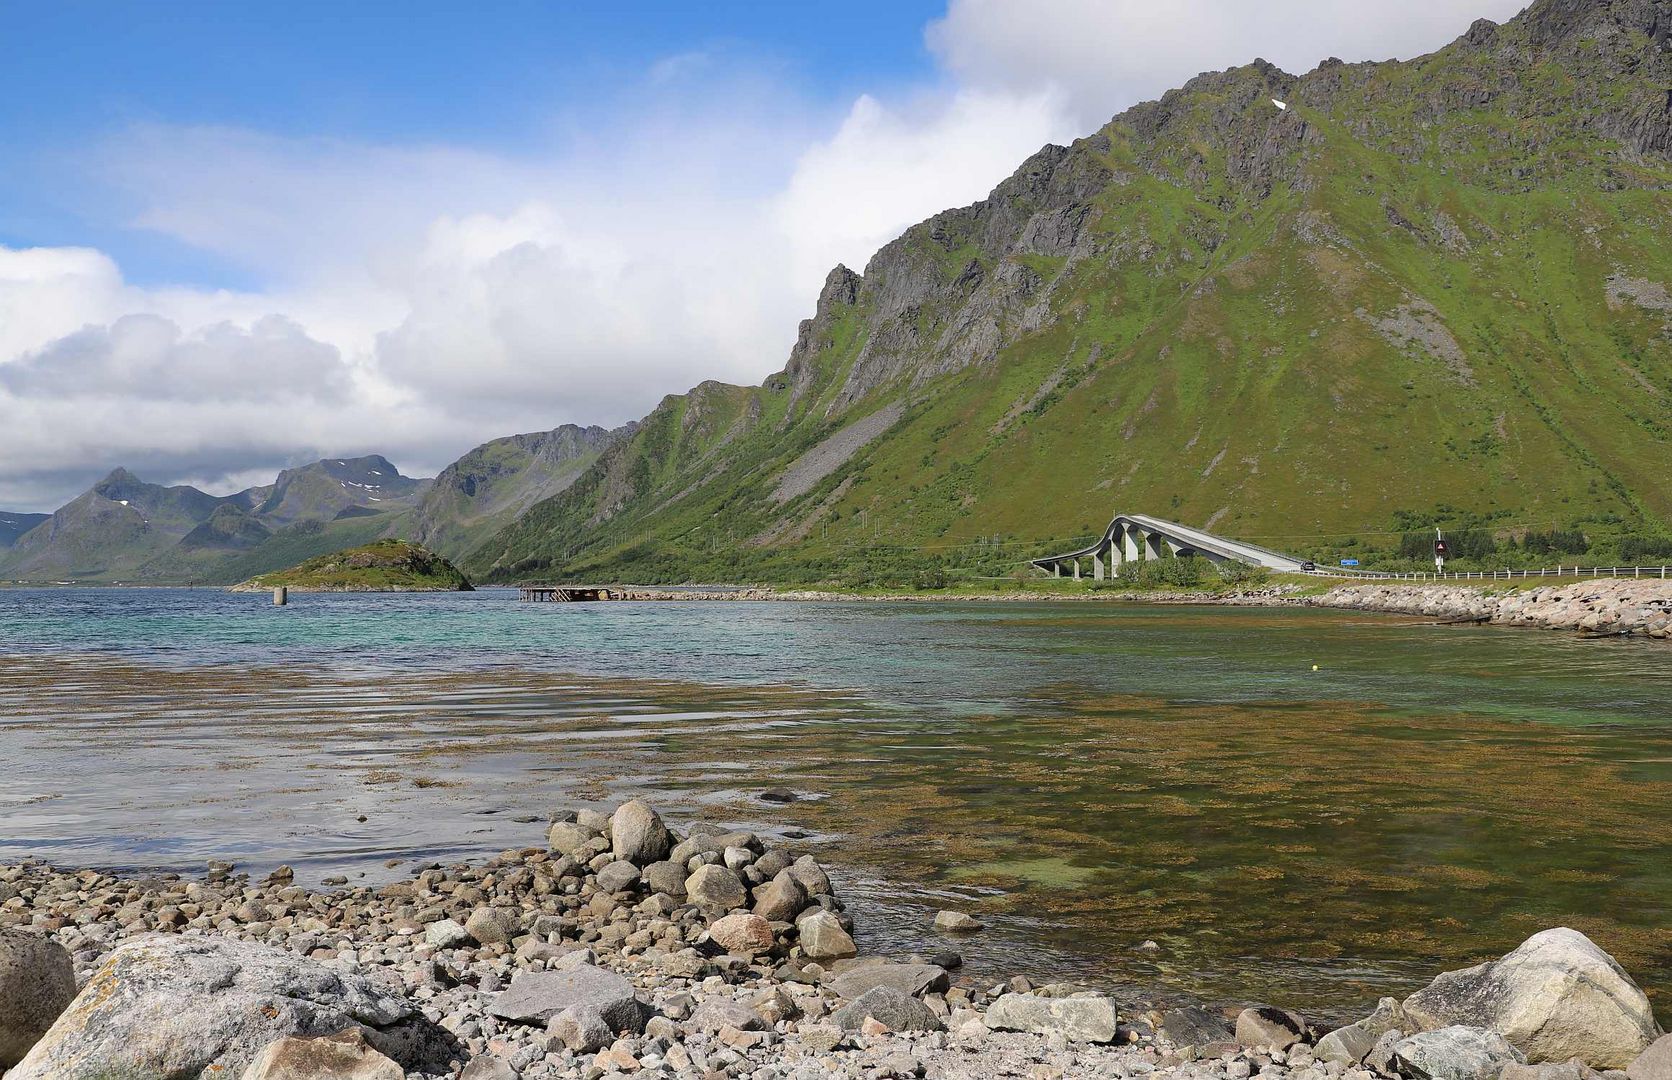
1314	667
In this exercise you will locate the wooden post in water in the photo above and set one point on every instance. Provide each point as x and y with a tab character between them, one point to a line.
281	595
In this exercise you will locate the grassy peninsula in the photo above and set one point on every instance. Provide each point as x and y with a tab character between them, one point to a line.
381	566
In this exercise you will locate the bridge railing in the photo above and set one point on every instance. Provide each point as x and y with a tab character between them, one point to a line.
1500	575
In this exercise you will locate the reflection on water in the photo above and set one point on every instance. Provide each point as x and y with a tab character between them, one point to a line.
1085	777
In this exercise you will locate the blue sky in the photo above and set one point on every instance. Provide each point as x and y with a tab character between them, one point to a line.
240	236
495	76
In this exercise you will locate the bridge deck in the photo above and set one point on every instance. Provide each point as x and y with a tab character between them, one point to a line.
1179	537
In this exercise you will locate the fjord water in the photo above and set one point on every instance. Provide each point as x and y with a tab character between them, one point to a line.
1083	776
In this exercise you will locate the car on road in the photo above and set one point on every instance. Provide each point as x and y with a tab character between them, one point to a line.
1308	566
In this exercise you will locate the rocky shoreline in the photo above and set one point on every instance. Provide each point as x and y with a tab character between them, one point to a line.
1619	607
1623	607
623	948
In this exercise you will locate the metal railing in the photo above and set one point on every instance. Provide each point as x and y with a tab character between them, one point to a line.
1500	575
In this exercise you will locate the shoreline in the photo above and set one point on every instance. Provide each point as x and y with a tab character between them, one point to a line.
620	947
1601	607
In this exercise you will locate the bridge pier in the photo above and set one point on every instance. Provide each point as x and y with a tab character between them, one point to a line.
1076	569
1097	565
1152	546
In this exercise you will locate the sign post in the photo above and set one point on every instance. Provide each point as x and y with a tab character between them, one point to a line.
1439	552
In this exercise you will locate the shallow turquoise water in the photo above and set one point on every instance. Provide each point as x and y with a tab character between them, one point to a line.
1083	775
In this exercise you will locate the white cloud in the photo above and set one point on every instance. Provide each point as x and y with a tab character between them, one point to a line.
441	295
1104	55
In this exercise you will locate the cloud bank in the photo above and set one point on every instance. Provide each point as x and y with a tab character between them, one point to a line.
418	299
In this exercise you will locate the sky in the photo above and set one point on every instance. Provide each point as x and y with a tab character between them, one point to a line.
237	237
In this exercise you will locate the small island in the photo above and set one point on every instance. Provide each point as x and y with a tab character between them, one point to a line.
381	566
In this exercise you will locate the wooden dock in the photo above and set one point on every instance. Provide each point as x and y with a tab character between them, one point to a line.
563	594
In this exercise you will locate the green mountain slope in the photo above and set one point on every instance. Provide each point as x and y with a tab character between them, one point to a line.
492	485
1436	290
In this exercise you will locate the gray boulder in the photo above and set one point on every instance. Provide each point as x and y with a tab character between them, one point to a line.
665	877
490	925
37	983
343	1056
811	875
567	837
716	888
1655	1063
891	1008
718	1012
1455	1053
1350	1045
1345	1045
637	834
1570	1070
162	1005
823	939
534	997
780	899
1265	1025
1556	997
1080	1019
581	1028
1194	1026
446	934
914	979
618	876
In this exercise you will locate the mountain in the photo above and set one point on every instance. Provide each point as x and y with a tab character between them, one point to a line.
126	529
14	525
492	485
1363	298
324	489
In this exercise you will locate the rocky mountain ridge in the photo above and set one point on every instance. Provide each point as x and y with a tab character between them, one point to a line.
1415	291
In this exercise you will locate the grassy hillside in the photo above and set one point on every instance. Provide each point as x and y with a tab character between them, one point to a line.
381	566
1433	292
488	488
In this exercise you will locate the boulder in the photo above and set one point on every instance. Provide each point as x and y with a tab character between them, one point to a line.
956	922
1455	1053
1080	1019
637	834
343	1056
665	877
718	1012
780	899
811	875
1264	1026
618	876
37	983
490	925
823	939
1655	1063
889	1007
915	979
163	1005
1571	1070
1346	1045
537	996
567	837
743	933
581	1028
488	1067
716	888
1556	997
446	934
1198	1027
1349	1045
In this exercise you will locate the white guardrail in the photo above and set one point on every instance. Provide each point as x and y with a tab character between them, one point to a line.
1499	575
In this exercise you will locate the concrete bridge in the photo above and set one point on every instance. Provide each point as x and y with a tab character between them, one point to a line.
1135	537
